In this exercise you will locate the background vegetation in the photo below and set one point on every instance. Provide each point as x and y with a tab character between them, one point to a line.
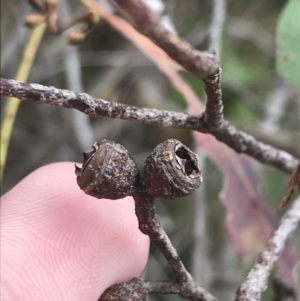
258	97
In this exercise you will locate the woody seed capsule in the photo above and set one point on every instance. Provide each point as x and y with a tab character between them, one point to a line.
108	171
171	171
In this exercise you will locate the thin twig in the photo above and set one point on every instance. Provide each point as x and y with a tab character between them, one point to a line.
81	123
217	25
214	107
256	281
213	115
227	133
149	224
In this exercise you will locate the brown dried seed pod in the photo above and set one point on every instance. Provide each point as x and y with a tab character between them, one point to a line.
108	171
93	18
171	171
34	20
75	37
132	290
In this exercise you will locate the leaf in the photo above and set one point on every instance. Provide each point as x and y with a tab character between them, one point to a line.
288	43
250	220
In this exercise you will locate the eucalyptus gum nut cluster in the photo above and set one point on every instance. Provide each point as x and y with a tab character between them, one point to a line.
108	171
171	171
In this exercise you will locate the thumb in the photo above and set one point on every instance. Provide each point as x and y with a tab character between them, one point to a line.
59	244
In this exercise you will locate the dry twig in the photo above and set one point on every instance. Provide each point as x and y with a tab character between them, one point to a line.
227	133
201	64
149	224
256	281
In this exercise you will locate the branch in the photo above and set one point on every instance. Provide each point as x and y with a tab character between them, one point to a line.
206	67
97	107
149	224
201	64
213	116
161	287
285	140
256	281
225	132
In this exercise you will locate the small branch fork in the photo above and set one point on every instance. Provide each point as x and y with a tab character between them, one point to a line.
210	122
205	66
256	281
185	285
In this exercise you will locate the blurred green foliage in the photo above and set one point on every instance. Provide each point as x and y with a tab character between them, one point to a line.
288	43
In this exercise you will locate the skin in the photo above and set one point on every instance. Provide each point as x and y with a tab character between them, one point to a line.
57	243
